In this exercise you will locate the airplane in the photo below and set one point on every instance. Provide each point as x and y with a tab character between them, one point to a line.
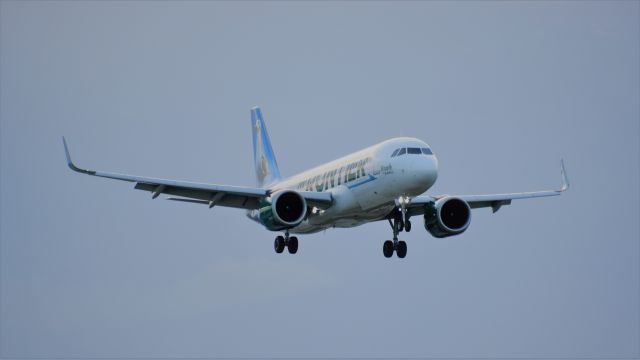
386	181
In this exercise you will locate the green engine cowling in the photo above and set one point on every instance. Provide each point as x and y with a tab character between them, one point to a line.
447	217
283	210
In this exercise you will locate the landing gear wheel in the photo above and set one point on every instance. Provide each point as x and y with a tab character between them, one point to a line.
278	244
401	251
407	226
387	248
293	245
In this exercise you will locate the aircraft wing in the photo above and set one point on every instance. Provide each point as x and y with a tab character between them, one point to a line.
201	193
417	204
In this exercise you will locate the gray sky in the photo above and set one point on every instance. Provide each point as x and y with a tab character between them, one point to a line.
500	90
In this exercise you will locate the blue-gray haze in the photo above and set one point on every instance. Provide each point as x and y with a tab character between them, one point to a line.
501	91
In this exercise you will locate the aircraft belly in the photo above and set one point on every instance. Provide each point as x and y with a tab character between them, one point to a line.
307	228
373	214
319	222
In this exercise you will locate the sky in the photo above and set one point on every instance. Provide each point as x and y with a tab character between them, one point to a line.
501	91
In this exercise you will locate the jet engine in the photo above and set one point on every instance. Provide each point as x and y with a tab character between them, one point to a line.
284	210
447	217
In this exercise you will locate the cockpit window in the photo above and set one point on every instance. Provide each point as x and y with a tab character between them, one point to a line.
412	151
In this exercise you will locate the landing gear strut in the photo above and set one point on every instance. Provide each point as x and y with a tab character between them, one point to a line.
290	242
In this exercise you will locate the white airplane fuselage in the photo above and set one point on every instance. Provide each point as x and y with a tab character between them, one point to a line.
365	185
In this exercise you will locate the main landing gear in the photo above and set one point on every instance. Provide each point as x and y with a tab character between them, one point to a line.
399	223
290	242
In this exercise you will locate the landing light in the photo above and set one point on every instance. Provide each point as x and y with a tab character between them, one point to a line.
403	200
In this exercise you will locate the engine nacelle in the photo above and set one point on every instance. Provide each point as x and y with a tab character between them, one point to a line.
286	209
447	217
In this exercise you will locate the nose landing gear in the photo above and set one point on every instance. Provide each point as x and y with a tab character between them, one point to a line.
290	242
399	246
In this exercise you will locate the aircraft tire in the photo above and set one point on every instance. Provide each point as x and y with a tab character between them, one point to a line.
278	244
407	226
387	248
293	245
401	251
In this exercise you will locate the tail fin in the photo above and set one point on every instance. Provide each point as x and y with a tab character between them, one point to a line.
264	159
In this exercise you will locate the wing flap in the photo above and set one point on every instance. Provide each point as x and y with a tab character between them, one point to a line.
221	198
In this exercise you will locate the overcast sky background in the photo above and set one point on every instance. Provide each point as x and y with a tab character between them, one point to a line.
90	267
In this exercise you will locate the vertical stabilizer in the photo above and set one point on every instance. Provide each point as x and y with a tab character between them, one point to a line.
264	159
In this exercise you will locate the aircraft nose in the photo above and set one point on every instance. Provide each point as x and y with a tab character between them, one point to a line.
426	170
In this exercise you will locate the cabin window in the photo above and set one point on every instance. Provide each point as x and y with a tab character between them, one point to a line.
427	151
395	153
402	151
414	151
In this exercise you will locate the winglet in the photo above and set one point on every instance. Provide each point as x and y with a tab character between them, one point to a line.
66	153
565	180
70	163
